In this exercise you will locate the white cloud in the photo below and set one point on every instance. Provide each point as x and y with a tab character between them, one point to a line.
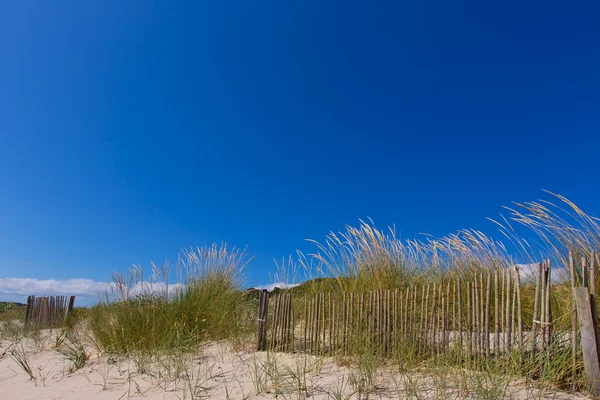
154	288
87	290
50	287
528	273
281	285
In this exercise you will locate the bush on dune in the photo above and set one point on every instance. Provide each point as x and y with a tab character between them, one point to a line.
151	316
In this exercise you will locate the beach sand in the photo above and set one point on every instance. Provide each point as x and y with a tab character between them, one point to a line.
220	372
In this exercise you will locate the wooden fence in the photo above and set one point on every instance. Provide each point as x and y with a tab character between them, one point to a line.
475	319
585	317
49	311
432	317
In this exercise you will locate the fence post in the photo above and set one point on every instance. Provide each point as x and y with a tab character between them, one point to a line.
588	339
593	300
70	307
573	321
28	312
263	312
44	313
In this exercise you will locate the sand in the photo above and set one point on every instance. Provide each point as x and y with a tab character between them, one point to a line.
220	372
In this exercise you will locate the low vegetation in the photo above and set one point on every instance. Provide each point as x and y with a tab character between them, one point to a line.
147	317
10	311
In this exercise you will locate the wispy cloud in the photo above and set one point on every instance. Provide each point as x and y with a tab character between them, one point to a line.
150	288
27	286
17	289
87	290
528	273
280	285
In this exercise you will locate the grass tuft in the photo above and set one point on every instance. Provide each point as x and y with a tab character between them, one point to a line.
151	316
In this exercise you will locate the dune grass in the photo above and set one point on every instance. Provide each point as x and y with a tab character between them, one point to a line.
149	315
364	258
12	311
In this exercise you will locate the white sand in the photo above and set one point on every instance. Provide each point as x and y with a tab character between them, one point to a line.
219	372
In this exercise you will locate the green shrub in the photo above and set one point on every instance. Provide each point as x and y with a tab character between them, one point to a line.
210	305
10	311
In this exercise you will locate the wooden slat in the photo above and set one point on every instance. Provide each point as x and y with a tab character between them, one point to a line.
263	304
330	322
519	309
447	319
481	315
508	332
29	310
477	312
274	321
548	304
469	321
487	315
460	320
305	343
573	322
588	339
496	315
593	300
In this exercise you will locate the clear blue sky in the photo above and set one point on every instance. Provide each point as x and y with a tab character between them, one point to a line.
131	129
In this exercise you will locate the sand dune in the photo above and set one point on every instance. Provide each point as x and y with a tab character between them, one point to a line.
220	372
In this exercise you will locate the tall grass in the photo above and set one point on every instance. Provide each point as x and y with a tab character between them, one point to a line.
364	258
12	311
151	315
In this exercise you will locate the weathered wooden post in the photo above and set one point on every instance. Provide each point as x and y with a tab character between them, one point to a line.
29	311
588	339
536	306
460	323
548	308
487	315
573	321
508	332
45	319
469	322
519	314
496	316
263	312
70	307
593	301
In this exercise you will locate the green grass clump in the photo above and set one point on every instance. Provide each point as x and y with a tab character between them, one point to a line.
71	347
363	258
78	315
207	305
10	311
151	316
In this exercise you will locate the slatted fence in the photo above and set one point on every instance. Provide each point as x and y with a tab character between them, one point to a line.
473	319
48	311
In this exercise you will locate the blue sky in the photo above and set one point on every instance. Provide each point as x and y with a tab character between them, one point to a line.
129	130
